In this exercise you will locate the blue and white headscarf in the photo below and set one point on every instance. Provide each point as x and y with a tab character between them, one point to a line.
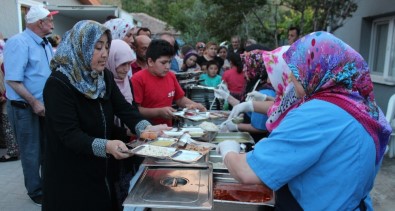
74	56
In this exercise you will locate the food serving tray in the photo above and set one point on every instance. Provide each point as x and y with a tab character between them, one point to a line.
200	163
163	142
241	137
193	132
147	150
192	115
172	188
228	190
185	156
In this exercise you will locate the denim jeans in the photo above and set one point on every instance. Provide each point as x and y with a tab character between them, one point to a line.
28	129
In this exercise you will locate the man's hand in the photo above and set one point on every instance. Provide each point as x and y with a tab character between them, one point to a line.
38	108
227	146
241	108
117	148
166	112
198	106
3	99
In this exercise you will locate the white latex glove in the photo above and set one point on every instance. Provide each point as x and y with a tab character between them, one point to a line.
223	87
256	96
241	108
221	94
227	146
232	127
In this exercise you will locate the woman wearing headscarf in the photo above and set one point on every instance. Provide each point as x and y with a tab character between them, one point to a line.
122	29
325	153
257	82
119	60
81	99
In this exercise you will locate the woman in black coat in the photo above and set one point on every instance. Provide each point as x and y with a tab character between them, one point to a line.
81	99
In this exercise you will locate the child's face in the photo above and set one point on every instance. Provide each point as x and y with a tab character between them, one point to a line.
160	67
191	61
204	68
212	70
222	53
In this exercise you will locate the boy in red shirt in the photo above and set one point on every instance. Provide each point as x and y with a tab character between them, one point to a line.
156	88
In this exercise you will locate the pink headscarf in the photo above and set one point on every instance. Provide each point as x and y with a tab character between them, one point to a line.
279	75
120	53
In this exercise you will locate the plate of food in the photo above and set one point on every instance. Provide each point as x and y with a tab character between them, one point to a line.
193	131
209	126
163	142
192	114
153	151
198	148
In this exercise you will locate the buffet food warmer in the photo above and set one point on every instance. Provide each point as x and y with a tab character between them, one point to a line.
200	183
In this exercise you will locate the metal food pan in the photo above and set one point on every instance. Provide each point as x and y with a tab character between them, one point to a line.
241	137
227	180
186	156
172	188
147	150
149	161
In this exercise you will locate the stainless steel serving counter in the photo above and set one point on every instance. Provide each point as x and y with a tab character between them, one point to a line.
186	187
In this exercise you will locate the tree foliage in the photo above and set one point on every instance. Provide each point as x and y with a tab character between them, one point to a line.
266	21
326	14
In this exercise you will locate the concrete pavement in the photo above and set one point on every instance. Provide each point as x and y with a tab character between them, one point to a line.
13	195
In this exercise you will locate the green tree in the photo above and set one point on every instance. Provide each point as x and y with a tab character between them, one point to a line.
266	21
327	14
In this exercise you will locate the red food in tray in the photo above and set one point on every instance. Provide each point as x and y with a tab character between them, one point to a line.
242	192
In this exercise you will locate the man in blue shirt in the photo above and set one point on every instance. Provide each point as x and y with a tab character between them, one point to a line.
26	58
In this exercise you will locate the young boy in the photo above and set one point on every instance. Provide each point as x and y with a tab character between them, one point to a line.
156	88
211	78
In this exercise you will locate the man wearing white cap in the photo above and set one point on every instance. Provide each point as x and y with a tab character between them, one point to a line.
26	59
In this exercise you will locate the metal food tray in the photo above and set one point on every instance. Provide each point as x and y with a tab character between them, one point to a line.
186	156
241	137
226	178
200	163
147	150
216	160
172	188
163	142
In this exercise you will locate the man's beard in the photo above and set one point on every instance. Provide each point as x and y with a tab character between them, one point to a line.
141	58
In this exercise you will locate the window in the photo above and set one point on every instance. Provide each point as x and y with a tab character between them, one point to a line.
382	51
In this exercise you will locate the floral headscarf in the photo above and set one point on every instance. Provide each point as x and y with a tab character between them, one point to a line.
279	75
74	55
120	52
254	67
119	27
330	70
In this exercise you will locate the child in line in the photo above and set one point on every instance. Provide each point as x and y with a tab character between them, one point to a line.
211	78
189	64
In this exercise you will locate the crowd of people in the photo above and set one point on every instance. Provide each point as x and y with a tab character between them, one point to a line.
70	105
